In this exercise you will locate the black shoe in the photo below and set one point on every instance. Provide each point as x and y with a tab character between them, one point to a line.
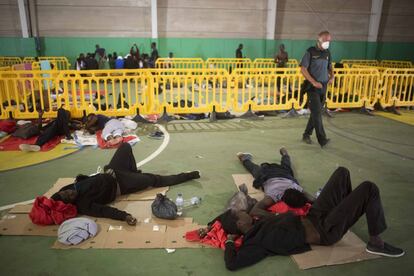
325	143
307	139
194	175
283	151
243	156
387	251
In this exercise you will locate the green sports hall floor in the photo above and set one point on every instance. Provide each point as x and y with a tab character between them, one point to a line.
374	148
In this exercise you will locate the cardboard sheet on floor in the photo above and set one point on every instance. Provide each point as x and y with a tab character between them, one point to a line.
150	232
247	179
348	250
148	194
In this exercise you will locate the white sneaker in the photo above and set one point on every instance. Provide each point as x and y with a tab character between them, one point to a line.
27	147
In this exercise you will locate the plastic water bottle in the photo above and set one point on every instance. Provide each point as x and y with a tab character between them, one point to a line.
195	200
179	201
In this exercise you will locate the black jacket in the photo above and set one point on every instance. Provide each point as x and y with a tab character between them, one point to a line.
94	193
271	171
280	235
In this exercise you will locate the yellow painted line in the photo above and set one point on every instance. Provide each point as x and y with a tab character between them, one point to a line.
407	116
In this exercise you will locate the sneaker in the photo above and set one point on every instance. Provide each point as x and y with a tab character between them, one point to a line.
324	144
194	174
307	139
27	147
283	151
156	135
243	156
388	250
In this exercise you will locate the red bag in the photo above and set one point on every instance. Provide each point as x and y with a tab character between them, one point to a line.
281	208
46	211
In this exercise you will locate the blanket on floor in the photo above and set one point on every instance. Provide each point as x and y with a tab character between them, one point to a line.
12	143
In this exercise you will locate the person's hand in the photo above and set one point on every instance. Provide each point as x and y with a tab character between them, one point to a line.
131	220
317	84
231	237
331	80
202	232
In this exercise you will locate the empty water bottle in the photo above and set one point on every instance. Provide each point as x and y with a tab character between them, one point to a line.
179	201
195	200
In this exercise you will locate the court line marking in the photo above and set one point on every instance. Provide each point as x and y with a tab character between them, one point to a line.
153	155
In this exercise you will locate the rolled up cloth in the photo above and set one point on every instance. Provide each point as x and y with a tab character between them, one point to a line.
76	230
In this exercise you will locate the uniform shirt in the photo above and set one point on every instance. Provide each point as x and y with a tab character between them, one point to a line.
276	187
318	63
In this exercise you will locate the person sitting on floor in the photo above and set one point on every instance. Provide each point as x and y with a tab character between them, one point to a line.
90	194
333	213
277	181
61	126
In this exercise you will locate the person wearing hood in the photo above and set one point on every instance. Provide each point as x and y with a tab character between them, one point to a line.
90	194
316	67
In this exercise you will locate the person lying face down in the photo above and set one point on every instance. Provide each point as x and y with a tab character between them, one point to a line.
333	213
90	194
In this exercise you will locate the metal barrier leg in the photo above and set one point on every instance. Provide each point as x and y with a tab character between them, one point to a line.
393	110
327	112
165	118
366	111
290	114
213	115
250	115
139	119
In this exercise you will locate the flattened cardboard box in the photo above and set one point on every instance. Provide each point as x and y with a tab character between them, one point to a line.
350	249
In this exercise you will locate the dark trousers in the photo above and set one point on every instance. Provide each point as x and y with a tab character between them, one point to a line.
316	102
60	126
131	180
257	171
338	207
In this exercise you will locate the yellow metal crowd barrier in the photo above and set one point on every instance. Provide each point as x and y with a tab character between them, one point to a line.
9	61
266	89
353	88
368	62
228	64
184	91
396	64
179	63
270	63
62	63
397	87
189	90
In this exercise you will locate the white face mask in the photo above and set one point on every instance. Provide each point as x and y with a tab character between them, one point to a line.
325	45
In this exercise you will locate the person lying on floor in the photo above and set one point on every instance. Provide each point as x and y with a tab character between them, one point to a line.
333	213
112	129
90	193
61	126
276	181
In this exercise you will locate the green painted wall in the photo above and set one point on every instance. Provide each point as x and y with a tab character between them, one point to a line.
204	48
